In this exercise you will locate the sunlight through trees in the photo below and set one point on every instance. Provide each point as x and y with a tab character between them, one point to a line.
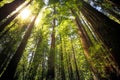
25	13
59	40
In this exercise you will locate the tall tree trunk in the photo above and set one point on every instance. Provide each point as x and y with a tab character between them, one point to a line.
103	50
106	29
6	31
69	75
7	22
43	67
36	61
51	57
70	69
77	70
62	62
8	8
116	2
86	46
8	51
4	24
11	68
5	56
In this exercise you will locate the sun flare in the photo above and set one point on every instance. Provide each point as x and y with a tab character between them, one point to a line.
25	13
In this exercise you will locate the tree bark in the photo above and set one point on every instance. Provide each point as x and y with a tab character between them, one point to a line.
62	62
77	70
7	30
116	2
11	68
4	24
86	46
51	57
8	8
106	29
36	61
70	69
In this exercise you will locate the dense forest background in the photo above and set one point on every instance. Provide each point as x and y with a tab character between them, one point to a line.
59	40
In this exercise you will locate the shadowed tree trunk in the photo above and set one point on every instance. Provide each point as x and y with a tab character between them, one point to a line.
116	2
70	68
36	61
4	24
77	70
8	8
7	30
43	67
106	29
86	45
5	56
51	57
62	62
8	51
103	52
70	75
11	68
107	6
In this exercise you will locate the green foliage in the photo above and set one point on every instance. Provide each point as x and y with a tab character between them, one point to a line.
67	42
3	2
107	5
53	1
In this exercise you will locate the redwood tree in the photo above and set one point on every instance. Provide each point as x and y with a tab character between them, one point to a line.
8	8
11	68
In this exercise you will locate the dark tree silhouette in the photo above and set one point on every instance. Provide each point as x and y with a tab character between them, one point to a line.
106	29
11	68
12	17
8	8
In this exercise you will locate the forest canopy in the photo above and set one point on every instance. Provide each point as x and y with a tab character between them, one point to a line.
59	40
